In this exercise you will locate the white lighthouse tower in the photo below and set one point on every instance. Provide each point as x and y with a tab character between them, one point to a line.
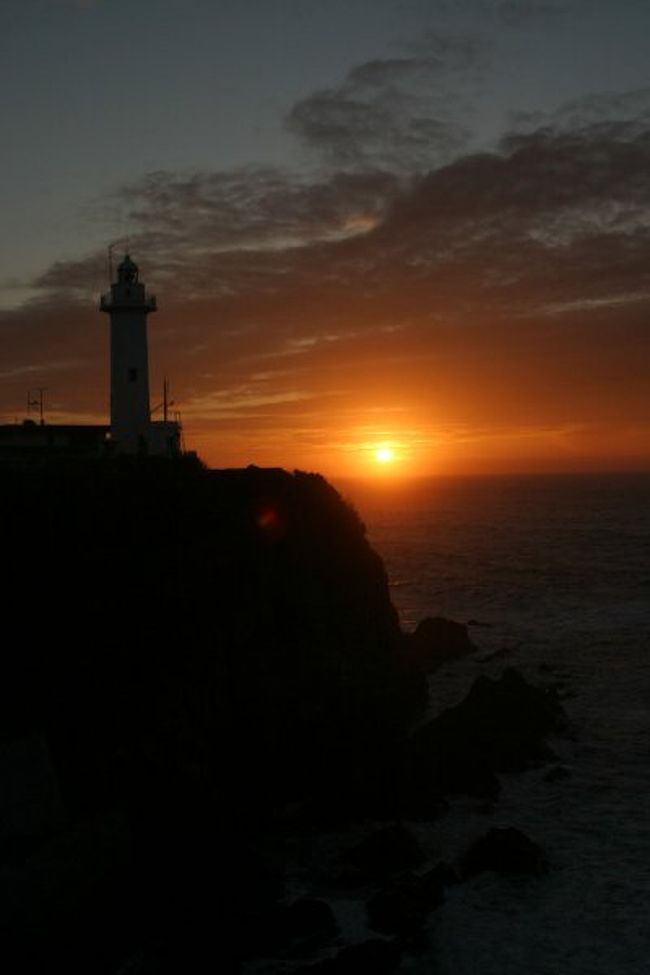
132	430
128	305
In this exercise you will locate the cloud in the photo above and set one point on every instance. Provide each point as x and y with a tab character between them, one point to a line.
222	234
256	208
397	113
629	108
555	215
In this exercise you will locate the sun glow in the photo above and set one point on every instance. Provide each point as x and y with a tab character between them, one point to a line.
381	457
384	455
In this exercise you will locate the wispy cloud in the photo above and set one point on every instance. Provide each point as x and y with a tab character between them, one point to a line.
396	113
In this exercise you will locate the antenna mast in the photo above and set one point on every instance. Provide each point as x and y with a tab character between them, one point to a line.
36	402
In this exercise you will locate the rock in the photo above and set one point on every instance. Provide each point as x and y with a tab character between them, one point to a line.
386	851
557	773
436	641
424	805
487	658
435	880
75	890
388	789
402	907
378	956
31	804
396	910
447	767
505	851
499	727
307	921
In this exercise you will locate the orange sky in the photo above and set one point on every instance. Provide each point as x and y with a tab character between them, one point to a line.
473	306
303	378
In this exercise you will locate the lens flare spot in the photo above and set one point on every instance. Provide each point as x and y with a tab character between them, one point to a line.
268	519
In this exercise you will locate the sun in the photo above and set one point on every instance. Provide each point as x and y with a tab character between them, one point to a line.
384	455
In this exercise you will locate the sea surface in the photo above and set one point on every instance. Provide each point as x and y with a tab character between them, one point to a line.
554	575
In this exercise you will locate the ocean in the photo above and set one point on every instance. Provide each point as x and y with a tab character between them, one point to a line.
553	574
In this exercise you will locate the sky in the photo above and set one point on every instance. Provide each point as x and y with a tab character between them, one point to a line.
413	227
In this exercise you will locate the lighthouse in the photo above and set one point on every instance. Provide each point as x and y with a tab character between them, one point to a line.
131	431
128	304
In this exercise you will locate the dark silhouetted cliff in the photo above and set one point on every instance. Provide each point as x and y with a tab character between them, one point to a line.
186	654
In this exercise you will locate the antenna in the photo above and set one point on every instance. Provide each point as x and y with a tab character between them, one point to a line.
166	401
112	245
36	402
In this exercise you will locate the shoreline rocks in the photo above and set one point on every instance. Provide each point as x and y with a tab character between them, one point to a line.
500	726
506	850
437	641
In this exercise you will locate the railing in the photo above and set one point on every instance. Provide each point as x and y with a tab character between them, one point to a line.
107	302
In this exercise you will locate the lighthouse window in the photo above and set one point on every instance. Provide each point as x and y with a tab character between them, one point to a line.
133	375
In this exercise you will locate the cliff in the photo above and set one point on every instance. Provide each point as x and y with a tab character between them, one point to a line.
193	653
